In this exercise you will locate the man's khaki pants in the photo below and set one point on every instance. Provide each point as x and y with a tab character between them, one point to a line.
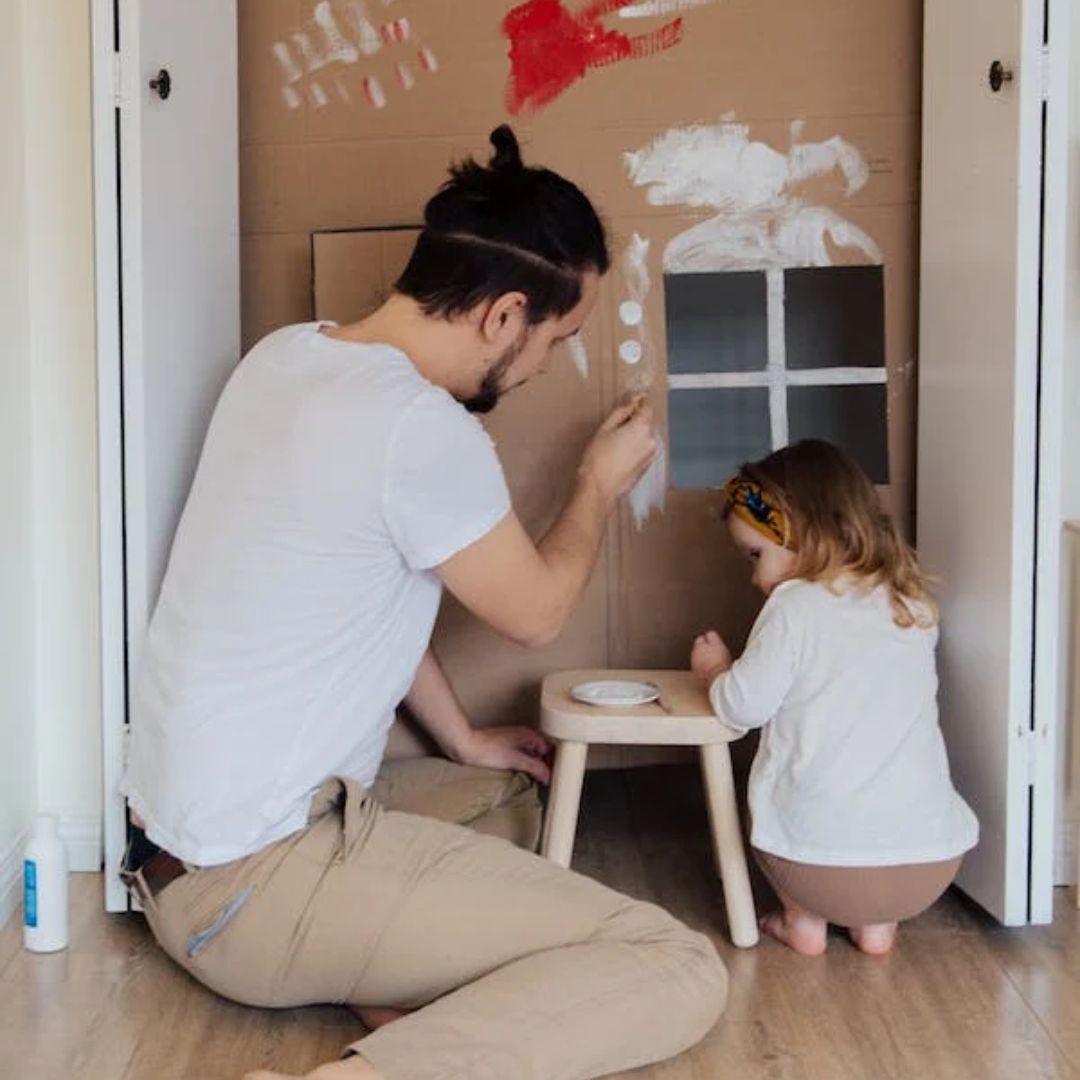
520	970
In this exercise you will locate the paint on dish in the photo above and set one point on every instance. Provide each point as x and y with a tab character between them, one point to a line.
552	47
760	221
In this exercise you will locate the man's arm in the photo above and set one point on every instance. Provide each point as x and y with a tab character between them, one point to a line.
527	591
435	706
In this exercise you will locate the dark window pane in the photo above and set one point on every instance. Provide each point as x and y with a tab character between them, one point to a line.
714	431
716	322
834	317
852	417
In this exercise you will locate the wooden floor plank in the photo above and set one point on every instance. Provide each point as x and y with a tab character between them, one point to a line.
960	998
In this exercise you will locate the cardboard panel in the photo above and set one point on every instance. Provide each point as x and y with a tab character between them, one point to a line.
343	159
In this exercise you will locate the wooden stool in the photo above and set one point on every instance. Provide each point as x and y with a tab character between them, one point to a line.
682	717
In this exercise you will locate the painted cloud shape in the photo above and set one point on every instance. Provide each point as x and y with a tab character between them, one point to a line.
760	223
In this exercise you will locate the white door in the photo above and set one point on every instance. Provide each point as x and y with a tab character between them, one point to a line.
982	519
179	275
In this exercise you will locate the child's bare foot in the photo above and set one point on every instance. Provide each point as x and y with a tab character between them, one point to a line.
799	930
874	940
353	1068
374	1017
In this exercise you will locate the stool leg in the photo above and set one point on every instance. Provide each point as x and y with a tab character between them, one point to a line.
727	842
563	802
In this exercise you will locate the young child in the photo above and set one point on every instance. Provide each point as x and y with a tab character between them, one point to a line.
855	818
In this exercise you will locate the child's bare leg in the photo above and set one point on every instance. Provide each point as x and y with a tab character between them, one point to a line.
875	940
353	1068
800	930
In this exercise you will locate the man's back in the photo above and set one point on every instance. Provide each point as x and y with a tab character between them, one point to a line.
298	598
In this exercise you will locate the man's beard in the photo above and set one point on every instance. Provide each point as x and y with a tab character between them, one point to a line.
491	389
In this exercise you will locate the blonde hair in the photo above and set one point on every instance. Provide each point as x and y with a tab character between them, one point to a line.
840	529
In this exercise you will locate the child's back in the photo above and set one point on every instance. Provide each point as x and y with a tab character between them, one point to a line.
852	769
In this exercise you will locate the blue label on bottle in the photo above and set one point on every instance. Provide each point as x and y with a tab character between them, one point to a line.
30	893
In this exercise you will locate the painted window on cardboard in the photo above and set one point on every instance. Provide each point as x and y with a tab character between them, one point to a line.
759	359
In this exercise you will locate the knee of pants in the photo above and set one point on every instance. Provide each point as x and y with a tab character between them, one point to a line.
690	960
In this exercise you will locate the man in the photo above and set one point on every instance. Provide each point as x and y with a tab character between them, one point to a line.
343	483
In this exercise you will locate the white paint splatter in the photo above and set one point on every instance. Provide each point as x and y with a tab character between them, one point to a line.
660	7
405	75
373	91
650	492
428	60
760	223
318	95
364	30
578	354
335	45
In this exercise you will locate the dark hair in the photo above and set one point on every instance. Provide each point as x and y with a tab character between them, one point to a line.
504	227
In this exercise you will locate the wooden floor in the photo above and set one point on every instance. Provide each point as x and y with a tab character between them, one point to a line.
960	998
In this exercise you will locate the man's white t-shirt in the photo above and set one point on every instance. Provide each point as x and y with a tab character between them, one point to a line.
300	593
851	769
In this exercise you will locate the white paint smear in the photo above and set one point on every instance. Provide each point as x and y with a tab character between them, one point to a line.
405	75
363	29
630	351
336	47
576	347
630	313
374	92
660	7
650	492
760	222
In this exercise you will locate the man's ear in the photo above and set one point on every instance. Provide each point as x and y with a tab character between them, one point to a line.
504	319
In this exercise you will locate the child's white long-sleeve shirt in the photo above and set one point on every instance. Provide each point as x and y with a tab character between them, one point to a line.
852	769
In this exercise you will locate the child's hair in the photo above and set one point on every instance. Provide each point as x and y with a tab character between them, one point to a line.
839	528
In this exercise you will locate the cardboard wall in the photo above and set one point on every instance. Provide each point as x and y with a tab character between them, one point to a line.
322	182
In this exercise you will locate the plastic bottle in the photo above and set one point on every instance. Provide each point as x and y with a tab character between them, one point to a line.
45	888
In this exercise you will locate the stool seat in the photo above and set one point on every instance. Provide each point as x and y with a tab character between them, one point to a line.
682	716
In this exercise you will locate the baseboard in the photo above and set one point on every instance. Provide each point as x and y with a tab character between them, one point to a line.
82	836
11	870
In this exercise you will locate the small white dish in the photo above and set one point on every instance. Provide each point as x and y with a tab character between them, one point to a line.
615	693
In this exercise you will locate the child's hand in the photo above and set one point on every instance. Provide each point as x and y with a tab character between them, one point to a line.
710	657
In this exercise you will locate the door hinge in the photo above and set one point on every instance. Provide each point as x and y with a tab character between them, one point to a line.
117	85
125	747
1044	73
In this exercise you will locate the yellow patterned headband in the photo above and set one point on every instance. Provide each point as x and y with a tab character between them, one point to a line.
750	503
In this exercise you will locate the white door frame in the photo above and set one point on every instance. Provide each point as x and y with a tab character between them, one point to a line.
113	619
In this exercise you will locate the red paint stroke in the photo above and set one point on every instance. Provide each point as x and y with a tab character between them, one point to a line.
551	47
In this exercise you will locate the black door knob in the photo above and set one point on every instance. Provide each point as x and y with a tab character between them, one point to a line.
162	85
999	75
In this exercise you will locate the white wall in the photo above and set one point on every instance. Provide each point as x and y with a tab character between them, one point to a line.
50	742
60	311
17	779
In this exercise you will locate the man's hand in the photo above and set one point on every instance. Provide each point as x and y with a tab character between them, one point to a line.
621	450
518	748
710	657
